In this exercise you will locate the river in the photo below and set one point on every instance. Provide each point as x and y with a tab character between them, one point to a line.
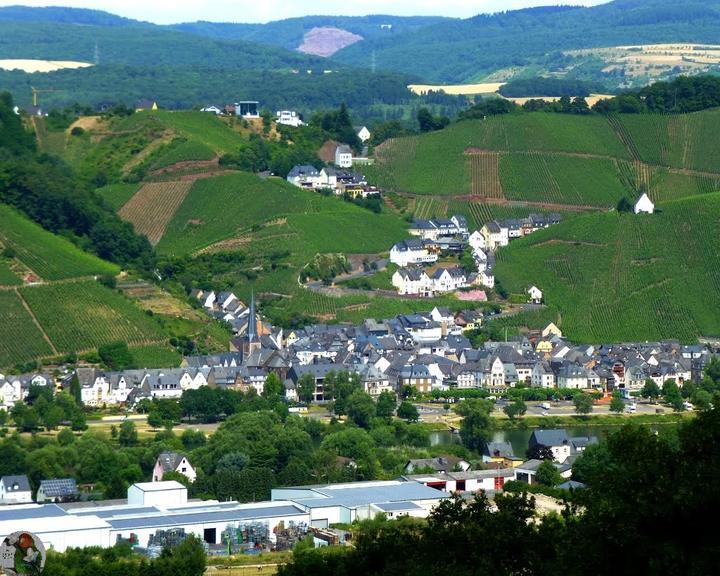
519	438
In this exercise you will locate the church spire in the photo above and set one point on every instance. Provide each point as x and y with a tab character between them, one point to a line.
252	320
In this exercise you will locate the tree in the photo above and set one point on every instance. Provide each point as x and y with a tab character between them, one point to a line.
515	408
116	356
52	417
650	389
78	421
408	411
360	407
671	394
306	388
234	461
624	205
386	404
540	452
548	475
154	419
273	386
476	426
65	437
616	404
702	400
128	435
583	403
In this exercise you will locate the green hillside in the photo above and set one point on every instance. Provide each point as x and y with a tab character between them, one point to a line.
238	205
616	277
49	256
559	159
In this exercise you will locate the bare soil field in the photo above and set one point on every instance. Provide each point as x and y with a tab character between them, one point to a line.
152	208
326	40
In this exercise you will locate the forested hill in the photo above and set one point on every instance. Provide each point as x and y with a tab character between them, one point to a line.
140	45
459	50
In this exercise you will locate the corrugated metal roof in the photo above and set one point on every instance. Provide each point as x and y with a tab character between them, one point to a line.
116	512
240	514
27	512
352	497
398	506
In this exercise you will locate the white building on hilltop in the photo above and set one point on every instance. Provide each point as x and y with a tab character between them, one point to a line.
288	118
644	205
343	156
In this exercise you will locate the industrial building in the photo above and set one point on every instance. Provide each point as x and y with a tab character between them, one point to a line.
344	503
153	507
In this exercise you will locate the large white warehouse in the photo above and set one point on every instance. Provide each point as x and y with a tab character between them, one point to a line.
154	506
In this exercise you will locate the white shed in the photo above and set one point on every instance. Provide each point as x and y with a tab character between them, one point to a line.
164	494
644	205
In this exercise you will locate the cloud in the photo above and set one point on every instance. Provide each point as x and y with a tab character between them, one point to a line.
266	10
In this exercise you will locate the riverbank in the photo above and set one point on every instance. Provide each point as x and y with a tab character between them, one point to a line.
590	421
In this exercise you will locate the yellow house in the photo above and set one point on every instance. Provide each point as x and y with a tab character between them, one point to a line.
551	330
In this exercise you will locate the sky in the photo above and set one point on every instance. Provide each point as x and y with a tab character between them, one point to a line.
165	12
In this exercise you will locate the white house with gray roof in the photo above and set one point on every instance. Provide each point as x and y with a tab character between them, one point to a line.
15	490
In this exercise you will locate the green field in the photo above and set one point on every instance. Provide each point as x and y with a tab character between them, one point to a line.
84	315
220	208
20	339
206	129
537	177
7	276
117	195
560	159
616	277
686	141
156	356
183	152
49	256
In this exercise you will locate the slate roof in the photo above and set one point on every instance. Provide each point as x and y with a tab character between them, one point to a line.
18	483
549	437
170	460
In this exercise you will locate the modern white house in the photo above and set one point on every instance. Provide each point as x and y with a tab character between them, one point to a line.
289	118
644	205
343	156
449	279
535	295
477	241
413	251
247	109
15	490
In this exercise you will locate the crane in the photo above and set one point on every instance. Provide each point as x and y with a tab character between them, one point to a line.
36	91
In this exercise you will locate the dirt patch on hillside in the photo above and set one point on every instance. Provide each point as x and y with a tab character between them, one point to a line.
558	242
325	41
186	165
327	152
87	123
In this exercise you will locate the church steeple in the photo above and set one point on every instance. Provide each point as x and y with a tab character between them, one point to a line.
252	320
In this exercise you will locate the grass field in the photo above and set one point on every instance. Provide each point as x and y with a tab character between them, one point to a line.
49	256
117	195
7	276
183	152
84	315
205	129
20	339
616	277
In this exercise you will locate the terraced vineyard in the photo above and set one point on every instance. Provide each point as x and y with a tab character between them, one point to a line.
538	177
20	339
485	170
187	151
622	277
84	315
558	159
687	141
152	208
49	256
